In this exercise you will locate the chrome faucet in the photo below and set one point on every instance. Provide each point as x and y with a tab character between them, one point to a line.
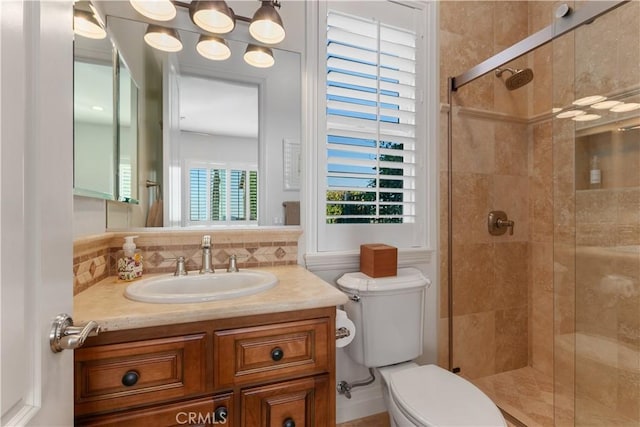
206	255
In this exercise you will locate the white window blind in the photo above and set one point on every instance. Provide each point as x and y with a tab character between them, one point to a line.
220	194
370	111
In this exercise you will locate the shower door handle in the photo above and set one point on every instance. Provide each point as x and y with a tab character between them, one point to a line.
498	223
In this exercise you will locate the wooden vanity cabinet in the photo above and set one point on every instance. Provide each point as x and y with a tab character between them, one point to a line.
266	370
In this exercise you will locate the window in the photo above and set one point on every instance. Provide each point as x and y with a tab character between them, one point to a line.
222	194
372	152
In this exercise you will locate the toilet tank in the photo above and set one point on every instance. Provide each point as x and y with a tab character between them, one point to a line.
388	314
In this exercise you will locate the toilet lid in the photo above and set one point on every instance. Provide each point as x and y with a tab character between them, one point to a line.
432	396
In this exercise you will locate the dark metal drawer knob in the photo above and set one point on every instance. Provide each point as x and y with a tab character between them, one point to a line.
289	423
221	414
130	378
277	354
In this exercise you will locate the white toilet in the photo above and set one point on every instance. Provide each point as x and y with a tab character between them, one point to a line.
388	314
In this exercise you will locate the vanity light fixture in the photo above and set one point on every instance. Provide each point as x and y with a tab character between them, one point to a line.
259	56
213	16
214	48
85	24
266	24
158	10
163	38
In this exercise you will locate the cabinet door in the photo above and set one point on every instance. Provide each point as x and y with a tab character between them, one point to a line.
203	412
298	403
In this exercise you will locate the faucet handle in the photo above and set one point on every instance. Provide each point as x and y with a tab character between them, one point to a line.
206	241
180	267
233	264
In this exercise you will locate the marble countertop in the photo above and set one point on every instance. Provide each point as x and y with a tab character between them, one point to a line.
298	289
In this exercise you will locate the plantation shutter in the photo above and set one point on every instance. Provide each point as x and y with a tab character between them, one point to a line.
370	111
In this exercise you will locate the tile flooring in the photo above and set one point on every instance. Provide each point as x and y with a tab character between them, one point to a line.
377	420
524	393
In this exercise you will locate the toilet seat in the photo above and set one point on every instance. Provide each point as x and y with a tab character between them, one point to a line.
430	396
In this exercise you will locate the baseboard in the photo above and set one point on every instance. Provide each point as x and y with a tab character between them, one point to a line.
364	402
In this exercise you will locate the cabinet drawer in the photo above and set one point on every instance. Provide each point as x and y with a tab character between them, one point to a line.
202	412
246	355
130	374
303	403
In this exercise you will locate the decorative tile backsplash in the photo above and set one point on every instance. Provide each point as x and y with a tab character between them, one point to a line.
95	257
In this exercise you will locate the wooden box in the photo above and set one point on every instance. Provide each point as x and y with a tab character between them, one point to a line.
378	260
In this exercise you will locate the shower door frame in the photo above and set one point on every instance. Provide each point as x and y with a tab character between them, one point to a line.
562	25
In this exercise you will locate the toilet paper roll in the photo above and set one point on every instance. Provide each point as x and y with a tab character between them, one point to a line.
342	321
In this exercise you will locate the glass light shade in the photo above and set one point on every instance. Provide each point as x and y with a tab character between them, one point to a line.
259	56
213	48
86	25
161	38
586	117
588	100
623	108
605	105
158	10
213	16
266	25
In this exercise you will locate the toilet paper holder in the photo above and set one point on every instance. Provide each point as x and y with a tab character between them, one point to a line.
342	332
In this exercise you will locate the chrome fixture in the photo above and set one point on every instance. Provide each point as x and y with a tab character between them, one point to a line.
180	267
563	10
498	223
214	16
345	387
65	336
517	79
233	264
206	255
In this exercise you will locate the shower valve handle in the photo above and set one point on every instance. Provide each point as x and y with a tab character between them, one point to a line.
498	223
505	223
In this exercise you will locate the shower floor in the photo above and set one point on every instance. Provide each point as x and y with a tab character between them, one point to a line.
524	393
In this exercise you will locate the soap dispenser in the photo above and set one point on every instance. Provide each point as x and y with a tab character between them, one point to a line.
129	260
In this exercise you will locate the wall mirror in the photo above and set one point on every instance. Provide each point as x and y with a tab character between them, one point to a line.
214	136
105	121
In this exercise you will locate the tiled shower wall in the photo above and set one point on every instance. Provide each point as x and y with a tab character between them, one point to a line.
94	257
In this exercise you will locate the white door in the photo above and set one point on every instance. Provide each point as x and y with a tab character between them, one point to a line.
36	243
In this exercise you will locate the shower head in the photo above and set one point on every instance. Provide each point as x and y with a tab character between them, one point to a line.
517	79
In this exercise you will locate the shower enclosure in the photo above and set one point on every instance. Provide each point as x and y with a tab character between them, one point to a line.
540	301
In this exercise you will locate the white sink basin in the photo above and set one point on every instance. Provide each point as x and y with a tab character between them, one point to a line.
200	287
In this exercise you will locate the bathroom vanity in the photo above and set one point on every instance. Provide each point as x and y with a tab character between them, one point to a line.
262	360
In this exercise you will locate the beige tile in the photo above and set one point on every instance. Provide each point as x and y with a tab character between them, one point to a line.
510	194
511	149
473	145
473	278
470	208
511	339
474	344
511	263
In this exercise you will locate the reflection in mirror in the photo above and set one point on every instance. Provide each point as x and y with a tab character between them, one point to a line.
93	149
219	151
272	117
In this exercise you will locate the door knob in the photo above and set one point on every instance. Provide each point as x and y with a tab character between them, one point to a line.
65	336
